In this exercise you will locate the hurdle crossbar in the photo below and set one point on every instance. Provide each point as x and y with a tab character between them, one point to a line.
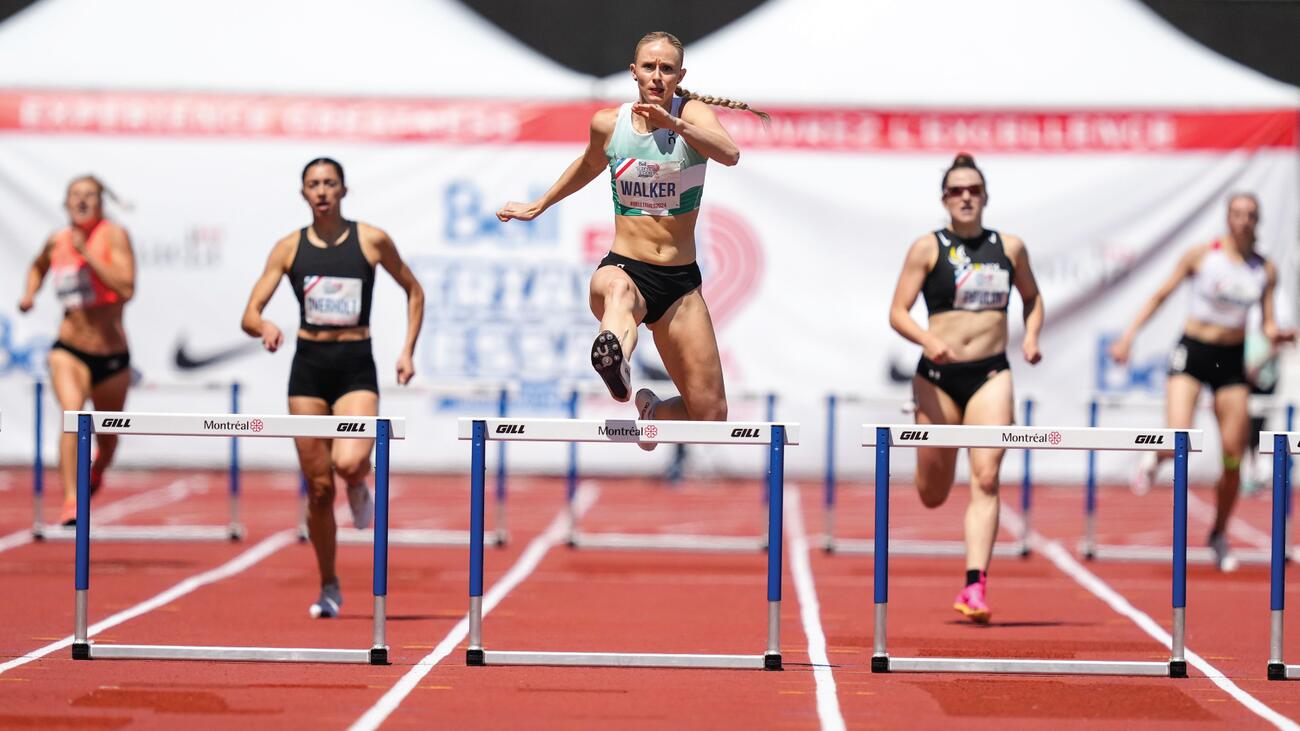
231	531
776	436
86	423
1091	550
885	437
904	547
1281	445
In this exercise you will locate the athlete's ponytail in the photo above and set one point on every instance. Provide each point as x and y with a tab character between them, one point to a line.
719	101
104	191
963	161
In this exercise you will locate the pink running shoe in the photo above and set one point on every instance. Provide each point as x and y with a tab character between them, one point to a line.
970	602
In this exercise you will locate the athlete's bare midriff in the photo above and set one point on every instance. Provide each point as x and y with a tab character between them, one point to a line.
95	330
971	335
1213	334
661	240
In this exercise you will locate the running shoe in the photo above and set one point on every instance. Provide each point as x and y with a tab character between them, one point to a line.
607	358
646	401
1223	558
1145	473
96	479
68	516
970	602
362	505
331	598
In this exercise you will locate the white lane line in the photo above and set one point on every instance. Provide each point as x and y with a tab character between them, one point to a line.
1090	581
554	534
240	563
172	492
828	702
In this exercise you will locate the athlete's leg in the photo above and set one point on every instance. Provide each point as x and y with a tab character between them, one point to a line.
618	304
935	466
351	457
991	404
70	379
314	458
108	395
1231	406
1181	394
689	349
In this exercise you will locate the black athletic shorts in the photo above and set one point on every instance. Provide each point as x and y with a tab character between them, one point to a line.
1214	365
102	367
661	286
330	369
962	380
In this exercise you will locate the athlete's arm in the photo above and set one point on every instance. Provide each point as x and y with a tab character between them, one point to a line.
1032	299
576	176
699	126
277	265
1267	315
391	261
36	275
1185	268
119	274
920	259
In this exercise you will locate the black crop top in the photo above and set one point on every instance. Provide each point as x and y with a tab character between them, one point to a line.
333	284
970	274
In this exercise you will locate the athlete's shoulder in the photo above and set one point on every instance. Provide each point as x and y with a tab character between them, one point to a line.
604	120
1011	243
924	250
372	235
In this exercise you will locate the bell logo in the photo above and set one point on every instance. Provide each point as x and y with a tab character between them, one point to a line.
743	432
1149	439
115	424
351	426
917	436
510	429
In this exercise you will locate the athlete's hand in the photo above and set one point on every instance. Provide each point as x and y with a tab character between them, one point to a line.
521	211
26	303
405	369
272	338
1032	353
656	115
1119	351
79	240
1280	337
937	351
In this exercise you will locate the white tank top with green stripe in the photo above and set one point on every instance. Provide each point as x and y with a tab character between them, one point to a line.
654	174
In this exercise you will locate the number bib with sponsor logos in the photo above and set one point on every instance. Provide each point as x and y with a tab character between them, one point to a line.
332	301
649	185
73	287
982	288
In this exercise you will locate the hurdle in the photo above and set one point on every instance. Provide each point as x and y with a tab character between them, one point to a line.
1281	445
775	436
431	537
578	539
885	437
1091	550
232	531
85	423
904	547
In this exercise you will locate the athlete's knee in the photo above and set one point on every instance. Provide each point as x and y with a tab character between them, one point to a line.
985	479
707	407
353	469
617	289
932	497
1232	461
320	494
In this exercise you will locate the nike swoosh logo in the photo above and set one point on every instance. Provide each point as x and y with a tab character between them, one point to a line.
187	361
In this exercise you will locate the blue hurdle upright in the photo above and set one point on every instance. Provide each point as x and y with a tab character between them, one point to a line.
85	423
1281	445
776	436
885	437
904	547
232	531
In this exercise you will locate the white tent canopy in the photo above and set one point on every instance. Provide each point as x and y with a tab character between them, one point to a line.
422	48
1039	54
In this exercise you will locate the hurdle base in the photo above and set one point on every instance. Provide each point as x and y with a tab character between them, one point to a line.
1018	666
668	542
408	537
1199	555
1282	671
772	661
627	660
1178	668
474	658
258	654
141	533
81	651
880	663
379	655
904	547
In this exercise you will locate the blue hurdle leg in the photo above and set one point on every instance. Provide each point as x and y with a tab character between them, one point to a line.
500	533
571	477
379	647
236	525
828	493
775	513
880	575
38	461
1090	492
1277	563
1177	661
80	641
1026	486
477	479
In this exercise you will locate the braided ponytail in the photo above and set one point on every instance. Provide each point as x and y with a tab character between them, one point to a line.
719	101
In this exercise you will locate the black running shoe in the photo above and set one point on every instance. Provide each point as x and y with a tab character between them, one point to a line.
607	358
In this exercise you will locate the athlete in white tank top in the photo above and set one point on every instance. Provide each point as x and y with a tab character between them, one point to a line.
1228	278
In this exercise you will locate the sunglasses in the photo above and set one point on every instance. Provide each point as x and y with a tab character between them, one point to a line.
955	191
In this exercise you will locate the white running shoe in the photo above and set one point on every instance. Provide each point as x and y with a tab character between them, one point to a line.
331	599
1145	473
362	505
1223	558
646	401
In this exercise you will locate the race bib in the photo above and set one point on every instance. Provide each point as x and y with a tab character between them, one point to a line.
982	288
73	287
654	186
332	301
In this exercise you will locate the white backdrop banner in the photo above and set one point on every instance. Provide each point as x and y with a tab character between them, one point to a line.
800	245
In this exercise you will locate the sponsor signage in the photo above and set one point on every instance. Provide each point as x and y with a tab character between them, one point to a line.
913	436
